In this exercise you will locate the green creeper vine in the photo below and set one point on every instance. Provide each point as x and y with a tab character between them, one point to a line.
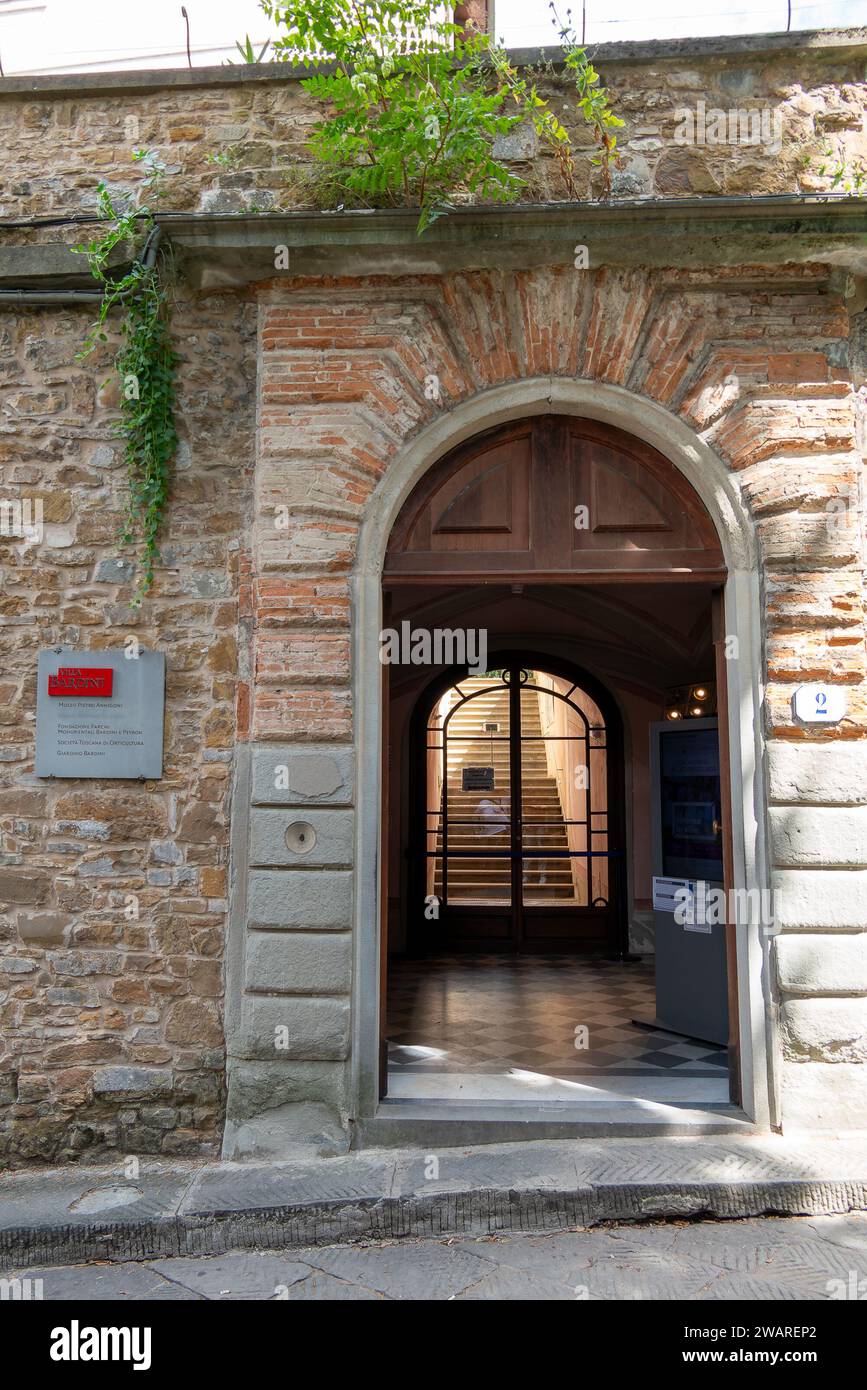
848	178
145	363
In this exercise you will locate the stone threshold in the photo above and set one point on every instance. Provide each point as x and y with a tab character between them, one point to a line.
441	1122
74	1215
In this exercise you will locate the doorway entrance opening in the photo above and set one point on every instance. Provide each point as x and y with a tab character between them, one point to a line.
521	814
520	824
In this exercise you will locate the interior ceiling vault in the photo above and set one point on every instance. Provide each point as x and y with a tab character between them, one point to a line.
617	631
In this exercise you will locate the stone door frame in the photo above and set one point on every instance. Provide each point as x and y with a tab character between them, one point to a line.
719	490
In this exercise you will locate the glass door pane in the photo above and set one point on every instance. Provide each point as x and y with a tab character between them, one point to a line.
564	820
473	833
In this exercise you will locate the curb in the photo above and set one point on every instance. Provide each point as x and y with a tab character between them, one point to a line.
478	1212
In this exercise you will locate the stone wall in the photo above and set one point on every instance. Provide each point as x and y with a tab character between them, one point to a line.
260	120
114	893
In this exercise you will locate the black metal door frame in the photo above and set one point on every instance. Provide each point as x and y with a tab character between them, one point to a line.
420	937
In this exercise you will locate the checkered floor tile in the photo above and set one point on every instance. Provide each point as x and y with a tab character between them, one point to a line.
492	1013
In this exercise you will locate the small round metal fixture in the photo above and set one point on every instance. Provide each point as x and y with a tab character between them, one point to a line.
300	837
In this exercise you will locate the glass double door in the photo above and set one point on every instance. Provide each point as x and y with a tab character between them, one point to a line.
518	847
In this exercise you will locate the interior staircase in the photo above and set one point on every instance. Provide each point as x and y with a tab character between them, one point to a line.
482	878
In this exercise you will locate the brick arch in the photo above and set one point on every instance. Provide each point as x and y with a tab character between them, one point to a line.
355	372
365	383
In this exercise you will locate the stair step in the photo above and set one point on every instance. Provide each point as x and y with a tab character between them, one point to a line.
467	897
479	875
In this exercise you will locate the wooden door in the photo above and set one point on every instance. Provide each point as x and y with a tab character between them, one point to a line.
554	498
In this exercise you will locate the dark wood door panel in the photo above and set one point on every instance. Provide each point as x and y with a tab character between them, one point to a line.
553	495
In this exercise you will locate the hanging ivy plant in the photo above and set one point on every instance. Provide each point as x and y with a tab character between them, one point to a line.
145	364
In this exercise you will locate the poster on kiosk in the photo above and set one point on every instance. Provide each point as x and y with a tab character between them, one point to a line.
691	984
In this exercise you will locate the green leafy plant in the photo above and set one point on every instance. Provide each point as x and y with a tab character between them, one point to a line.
546	124
593	99
248	52
413	104
145	361
845	177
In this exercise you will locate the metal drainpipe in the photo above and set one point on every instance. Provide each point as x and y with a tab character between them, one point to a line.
148	260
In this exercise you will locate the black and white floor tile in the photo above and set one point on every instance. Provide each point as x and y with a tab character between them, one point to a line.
488	1014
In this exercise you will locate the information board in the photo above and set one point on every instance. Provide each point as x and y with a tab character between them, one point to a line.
100	714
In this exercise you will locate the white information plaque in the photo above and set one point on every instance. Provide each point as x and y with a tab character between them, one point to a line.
100	714
665	891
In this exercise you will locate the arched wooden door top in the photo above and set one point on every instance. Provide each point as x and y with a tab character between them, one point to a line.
551	497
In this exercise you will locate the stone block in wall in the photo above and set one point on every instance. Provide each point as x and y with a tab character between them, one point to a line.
809	899
127	1081
289	1027
295	1132
25	886
816	1097
44	928
831	774
256	1086
819	835
824	1030
320	901
301	839
299	962
519	144
827	963
289	776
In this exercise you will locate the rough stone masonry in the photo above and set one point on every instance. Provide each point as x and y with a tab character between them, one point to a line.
300	391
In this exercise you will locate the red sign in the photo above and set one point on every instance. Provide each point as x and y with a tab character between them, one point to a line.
81	680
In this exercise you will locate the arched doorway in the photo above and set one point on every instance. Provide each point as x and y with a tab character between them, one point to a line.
518	808
514	803
685	467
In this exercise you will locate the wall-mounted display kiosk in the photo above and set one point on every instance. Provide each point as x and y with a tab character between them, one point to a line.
691	985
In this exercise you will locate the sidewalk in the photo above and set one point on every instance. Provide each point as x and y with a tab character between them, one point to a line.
818	1258
76	1214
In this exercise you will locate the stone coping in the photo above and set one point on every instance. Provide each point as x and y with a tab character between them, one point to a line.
63	85
228	250
75	1214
